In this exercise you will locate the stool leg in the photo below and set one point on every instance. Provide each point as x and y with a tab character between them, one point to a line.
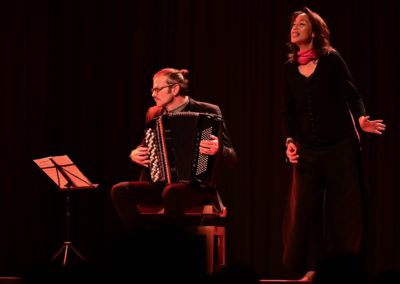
220	232
208	232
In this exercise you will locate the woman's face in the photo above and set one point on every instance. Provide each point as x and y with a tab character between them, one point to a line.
301	32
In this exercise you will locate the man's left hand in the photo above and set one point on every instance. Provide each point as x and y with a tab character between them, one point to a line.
209	147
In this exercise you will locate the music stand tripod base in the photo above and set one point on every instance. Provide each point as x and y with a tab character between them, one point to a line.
66	248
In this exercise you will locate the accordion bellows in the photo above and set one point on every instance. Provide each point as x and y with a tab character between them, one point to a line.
173	141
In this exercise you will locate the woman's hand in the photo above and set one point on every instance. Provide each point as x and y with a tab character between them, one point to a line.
372	126
291	153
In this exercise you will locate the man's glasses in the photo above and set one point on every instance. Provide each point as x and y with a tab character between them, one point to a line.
160	88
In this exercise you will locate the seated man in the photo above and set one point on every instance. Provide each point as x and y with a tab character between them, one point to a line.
170	92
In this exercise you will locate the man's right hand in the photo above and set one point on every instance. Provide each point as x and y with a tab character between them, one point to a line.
140	155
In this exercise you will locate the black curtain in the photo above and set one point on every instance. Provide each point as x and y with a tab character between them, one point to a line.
75	80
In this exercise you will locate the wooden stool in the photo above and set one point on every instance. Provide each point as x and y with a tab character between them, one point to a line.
204	221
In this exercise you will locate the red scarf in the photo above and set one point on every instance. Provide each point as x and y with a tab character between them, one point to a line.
303	57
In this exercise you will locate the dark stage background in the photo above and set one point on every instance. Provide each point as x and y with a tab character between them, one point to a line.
75	80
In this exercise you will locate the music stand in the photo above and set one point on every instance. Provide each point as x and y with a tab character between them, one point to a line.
68	177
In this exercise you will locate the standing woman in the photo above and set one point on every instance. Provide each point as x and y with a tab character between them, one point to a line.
322	104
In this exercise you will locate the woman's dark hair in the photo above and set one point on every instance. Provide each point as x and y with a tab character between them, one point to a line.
321	41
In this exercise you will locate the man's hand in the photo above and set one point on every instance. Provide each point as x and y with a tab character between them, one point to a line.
209	147
140	156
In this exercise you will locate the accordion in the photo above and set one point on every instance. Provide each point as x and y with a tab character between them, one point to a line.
173	141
